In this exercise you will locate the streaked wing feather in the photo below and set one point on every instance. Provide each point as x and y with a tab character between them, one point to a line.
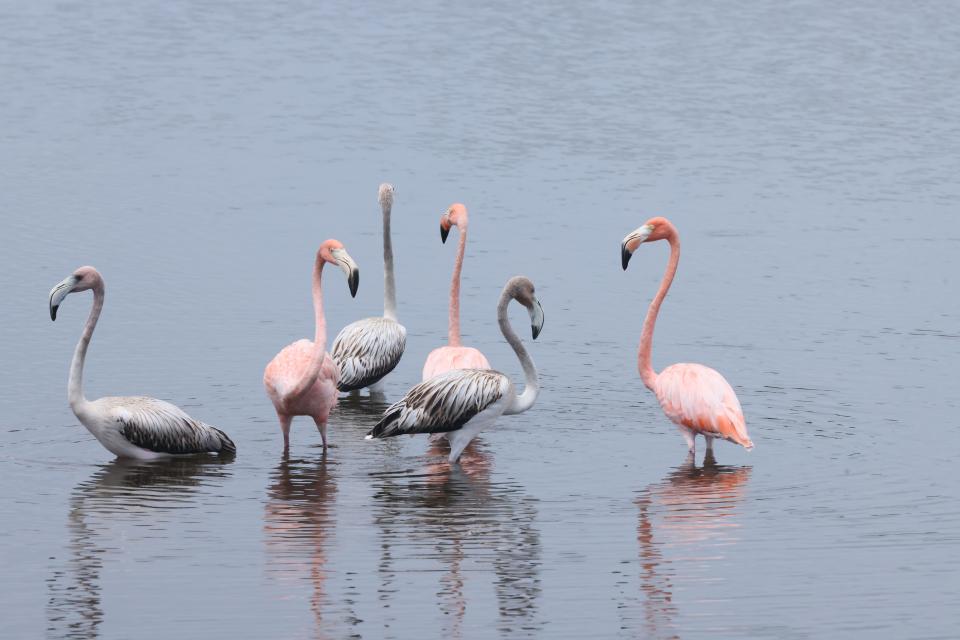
443	403
161	427
367	350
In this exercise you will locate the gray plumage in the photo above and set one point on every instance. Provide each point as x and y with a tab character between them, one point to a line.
443	403
367	350
161	427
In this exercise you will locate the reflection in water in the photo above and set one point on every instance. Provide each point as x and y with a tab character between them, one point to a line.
690	511
120	489
299	522
457	517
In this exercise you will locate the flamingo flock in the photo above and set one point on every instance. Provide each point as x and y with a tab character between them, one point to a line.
460	394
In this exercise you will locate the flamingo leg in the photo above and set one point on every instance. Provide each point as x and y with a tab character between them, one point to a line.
691	437
377	387
709	440
322	428
285	421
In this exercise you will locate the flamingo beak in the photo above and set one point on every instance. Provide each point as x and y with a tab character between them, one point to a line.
631	242
444	228
350	268
59	292
536	318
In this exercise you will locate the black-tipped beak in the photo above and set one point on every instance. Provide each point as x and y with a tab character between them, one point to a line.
625	256
59	292
353	280
444	232
536	318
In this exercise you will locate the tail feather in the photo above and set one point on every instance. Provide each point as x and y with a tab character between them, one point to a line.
387	426
226	444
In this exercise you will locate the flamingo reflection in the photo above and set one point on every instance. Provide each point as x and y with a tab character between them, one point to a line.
300	522
684	522
454	515
118	492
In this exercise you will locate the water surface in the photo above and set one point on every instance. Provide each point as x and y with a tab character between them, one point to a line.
197	154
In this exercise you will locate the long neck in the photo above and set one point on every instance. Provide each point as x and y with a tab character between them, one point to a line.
75	384
310	374
647	374
525	400
453	332
389	284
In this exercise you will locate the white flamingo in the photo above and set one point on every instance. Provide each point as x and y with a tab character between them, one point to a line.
367	350
462	402
130	427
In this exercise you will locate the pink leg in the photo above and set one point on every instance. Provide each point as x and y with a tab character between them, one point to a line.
322	427
285	428
690	437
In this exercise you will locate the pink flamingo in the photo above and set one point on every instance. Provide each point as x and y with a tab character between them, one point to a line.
301	380
695	397
454	355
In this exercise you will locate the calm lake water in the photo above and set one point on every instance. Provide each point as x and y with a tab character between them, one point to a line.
198	153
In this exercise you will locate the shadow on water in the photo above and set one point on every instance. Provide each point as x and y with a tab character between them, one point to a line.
683	522
299	524
456	517
120	489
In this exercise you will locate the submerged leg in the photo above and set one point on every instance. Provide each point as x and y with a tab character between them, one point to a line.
458	442
285	428
691	437
322	428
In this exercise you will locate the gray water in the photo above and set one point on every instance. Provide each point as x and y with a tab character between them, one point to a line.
198	153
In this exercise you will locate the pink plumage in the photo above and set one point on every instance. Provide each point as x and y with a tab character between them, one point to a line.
696	398
302	379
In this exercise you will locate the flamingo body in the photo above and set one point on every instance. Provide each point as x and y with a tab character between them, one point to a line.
129	427
301	380
448	358
285	370
454	355
367	350
699	399
696	398
460	403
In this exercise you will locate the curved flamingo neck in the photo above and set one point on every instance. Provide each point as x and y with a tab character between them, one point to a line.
647	374
522	402
389	283
75	383
320	335
453	331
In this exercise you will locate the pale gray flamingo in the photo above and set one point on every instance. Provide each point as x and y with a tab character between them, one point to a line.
462	402
301	380
367	350
696	398
129	427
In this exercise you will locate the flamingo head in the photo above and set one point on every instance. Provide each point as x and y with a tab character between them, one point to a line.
456	214
80	280
386	195
521	289
332	251
654	229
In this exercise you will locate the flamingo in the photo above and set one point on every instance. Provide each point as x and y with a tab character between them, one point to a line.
367	350
454	355
697	398
129	427
301	380
462	402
